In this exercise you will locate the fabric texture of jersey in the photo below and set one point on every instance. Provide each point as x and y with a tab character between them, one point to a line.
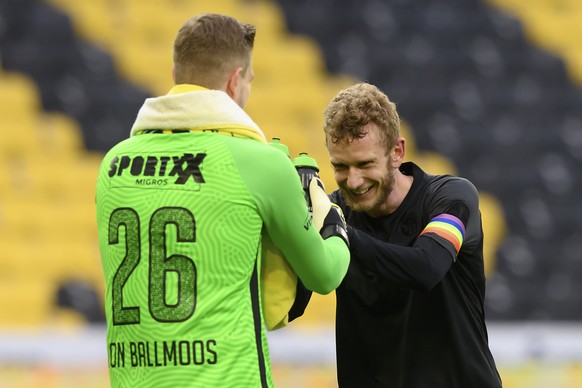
182	206
398	325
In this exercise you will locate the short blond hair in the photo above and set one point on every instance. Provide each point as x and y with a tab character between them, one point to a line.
209	47
353	108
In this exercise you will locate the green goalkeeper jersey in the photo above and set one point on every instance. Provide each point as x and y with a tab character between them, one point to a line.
180	217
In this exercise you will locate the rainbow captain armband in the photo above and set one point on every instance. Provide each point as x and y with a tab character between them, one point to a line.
447	227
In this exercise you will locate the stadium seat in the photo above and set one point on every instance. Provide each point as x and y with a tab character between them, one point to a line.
92	20
18	95
59	135
298	59
17	135
47	198
146	63
27	303
494	228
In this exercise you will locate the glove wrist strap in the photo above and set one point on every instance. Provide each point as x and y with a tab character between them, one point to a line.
335	230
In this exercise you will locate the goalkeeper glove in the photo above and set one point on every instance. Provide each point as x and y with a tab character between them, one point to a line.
328	217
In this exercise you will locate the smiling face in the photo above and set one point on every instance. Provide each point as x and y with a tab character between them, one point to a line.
364	171
362	135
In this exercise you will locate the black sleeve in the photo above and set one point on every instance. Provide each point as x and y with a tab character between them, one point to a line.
421	266
302	298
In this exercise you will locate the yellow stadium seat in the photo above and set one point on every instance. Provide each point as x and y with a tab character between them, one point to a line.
18	135
73	260
15	178
573	59
18	95
554	25
25	302
518	5
67	178
435	163
93	20
59	136
268	17
5	182
142	17
291	60
332	84
147	64
19	106
494	228
19	216
227	7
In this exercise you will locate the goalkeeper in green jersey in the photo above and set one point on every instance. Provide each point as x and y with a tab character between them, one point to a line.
185	206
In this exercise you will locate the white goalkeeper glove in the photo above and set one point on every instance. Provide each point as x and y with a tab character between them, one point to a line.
328	218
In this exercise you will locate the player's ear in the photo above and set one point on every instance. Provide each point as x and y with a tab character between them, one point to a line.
232	83
398	152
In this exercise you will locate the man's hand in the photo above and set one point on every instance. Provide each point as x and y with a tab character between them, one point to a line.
328	218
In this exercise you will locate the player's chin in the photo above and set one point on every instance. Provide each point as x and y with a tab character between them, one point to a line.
360	202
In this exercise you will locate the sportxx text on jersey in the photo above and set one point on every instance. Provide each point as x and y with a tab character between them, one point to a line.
185	166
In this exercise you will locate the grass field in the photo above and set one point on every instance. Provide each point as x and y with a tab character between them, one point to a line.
530	375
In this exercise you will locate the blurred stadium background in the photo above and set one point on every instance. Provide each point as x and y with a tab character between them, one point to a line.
487	89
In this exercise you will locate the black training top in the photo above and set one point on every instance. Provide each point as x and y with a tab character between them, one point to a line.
410	310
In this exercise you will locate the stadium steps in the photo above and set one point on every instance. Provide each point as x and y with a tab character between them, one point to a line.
494	224
72	76
291	77
475	92
553	25
292	80
140	38
362	40
47	231
547	213
290	91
